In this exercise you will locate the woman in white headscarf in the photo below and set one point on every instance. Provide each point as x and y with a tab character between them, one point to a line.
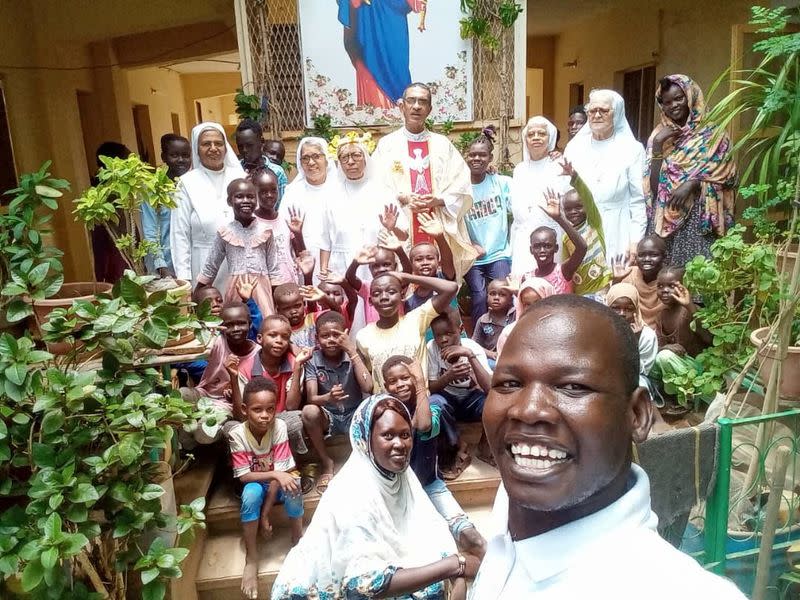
611	163
375	533
531	179
202	204
363	207
310	193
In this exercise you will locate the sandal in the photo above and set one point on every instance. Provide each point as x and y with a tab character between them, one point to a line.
463	460
323	482
308	474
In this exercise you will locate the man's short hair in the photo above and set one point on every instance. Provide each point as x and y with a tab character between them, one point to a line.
450	316
626	340
419	84
285	289
249	124
273	318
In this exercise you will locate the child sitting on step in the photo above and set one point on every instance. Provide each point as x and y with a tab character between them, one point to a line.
678	343
264	466
403	379
336	382
459	372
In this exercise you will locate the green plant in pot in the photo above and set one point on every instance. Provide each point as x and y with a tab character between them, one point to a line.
82	444
31	269
124	186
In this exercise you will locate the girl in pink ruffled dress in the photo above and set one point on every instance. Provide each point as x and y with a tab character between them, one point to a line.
248	246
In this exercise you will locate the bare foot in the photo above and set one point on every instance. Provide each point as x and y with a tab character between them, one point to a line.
265	526
250	580
472	542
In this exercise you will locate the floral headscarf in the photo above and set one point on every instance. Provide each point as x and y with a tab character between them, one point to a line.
700	153
368	524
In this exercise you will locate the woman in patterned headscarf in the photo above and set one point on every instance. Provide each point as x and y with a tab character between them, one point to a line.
692	176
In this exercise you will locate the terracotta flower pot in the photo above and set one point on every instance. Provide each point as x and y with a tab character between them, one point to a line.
790	371
68	293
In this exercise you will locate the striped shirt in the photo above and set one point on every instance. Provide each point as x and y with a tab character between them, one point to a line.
271	454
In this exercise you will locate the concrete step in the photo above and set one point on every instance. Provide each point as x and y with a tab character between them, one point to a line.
193	483
476	487
219	576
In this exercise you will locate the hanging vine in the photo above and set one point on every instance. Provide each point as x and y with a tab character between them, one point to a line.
489	22
477	23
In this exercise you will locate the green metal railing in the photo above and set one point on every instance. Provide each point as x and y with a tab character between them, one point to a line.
719	555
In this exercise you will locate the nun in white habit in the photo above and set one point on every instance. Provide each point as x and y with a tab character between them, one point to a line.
612	164
354	215
310	192
531	179
202	203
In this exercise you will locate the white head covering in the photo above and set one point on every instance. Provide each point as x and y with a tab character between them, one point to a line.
323	148
369	523
230	160
622	130
368	170
552	133
202	209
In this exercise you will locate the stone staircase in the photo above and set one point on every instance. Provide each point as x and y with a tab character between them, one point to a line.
213	569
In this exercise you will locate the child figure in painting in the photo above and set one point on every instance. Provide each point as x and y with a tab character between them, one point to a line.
264	466
593	275
247	244
501	313
678	344
544	246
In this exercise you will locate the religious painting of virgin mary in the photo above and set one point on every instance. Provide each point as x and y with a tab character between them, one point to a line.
359	56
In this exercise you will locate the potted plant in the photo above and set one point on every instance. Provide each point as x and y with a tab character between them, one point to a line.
81	449
746	285
32	271
123	186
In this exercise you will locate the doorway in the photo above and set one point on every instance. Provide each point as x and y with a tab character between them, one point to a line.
638	90
144	133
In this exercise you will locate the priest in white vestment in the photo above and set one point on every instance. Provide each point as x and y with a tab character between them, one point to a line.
572	518
428	174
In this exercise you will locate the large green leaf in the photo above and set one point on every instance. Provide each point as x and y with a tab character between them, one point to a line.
17	309
32	575
131	292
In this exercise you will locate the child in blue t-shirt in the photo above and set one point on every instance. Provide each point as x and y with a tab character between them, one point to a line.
487	222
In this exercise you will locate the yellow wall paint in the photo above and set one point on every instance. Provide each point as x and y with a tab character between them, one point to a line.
679	36
161	90
207	85
42	104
